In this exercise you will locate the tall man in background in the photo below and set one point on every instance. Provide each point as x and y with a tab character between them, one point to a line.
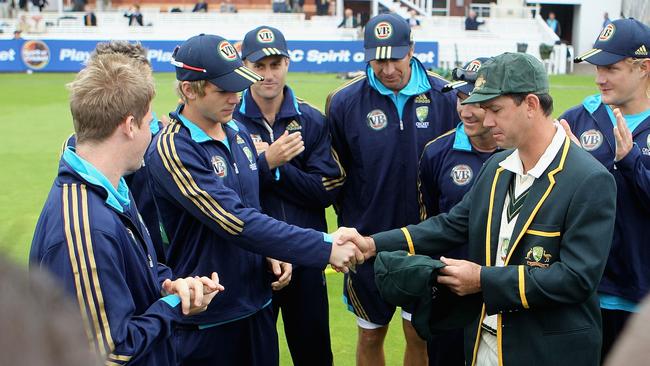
380	123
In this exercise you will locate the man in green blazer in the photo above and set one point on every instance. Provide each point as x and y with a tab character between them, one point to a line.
538	220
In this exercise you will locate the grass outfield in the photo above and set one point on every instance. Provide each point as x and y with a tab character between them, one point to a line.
37	120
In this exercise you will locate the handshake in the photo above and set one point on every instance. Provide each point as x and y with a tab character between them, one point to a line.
350	248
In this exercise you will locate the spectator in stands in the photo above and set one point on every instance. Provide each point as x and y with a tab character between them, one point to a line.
296	5
553	24
349	20
280	6
471	23
227	7
17	35
40	4
5	9
322	7
23	24
606	19
412	20
134	15
78	5
201	6
90	20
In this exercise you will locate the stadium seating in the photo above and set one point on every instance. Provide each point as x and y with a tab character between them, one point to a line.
455	44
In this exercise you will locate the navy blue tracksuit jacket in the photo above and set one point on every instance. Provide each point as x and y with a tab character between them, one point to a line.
308	183
207	193
98	248
379	148
627	273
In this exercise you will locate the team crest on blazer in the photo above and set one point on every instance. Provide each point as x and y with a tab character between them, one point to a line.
377	120
461	174
220	167
537	256
591	140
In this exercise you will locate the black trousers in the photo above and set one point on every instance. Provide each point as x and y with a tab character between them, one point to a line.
613	323
305	313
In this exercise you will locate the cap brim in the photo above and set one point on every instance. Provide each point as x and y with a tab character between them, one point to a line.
479	98
236	80
386	52
265	52
599	57
459	86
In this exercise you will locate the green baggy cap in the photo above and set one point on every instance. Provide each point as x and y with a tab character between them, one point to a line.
509	73
410	280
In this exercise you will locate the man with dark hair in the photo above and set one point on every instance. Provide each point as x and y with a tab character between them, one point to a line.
306	184
380	123
538	235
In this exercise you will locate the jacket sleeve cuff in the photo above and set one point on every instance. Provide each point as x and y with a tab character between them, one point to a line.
629	160
265	171
389	241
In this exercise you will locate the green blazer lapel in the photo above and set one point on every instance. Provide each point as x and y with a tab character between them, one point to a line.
537	195
498	191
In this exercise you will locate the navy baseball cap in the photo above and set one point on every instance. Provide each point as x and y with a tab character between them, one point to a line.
465	77
263	41
212	58
619	39
387	36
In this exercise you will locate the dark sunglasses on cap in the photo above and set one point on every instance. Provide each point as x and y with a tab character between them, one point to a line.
464	75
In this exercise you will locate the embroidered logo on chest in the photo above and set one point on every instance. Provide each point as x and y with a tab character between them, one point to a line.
461	174
591	140
422	113
240	140
220	167
422	99
294	126
377	120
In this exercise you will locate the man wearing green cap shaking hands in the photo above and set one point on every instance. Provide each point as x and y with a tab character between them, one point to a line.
538	221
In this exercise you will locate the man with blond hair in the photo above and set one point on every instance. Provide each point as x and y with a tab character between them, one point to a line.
206	176
90	234
138	181
614	126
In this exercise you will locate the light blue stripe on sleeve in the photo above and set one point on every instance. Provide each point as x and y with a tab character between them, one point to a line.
328	238
172	300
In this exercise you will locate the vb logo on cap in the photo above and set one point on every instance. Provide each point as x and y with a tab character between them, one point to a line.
607	32
227	51
265	36
474	66
383	30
